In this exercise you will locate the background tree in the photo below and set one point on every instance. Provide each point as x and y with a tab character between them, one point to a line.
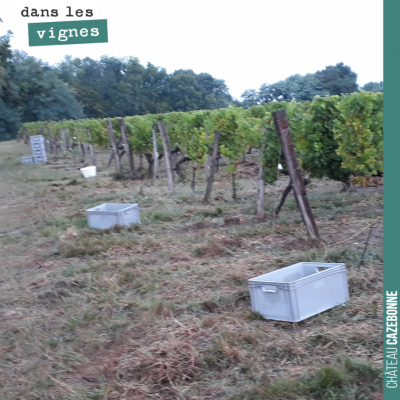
10	119
373	87
338	79
250	98
189	91
296	87
42	95
154	91
333	80
123	87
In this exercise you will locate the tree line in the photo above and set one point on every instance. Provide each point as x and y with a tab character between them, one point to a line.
31	90
331	81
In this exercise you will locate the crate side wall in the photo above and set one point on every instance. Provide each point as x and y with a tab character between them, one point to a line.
27	160
37	139
40	159
271	305
39	152
38	146
130	217
321	294
99	221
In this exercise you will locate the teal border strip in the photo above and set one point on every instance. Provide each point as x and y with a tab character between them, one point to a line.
391	209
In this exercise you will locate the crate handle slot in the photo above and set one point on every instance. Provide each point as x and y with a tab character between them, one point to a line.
269	289
128	212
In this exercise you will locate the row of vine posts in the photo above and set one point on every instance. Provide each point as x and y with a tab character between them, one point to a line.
323	129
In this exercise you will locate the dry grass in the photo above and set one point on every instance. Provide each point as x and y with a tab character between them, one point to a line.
162	310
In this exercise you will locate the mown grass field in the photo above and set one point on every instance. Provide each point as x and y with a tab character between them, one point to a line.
161	310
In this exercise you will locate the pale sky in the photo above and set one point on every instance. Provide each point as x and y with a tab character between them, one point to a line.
245	43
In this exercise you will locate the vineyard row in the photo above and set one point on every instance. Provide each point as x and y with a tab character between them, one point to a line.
334	136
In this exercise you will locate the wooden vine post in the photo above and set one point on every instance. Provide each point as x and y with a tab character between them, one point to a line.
127	147
283	131
46	144
91	149
114	144
260	213
210	179
167	154
64	141
26	138
155	153
50	139
56	144
207	164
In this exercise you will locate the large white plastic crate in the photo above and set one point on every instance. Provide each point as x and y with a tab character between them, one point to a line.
38	146
39	152
39	159
299	291
108	215
37	139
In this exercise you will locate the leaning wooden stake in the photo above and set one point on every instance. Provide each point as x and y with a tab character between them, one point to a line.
283	131
283	198
112	156
155	154
213	166
114	144
167	154
127	147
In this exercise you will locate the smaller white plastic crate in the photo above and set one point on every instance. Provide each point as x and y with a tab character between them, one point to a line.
299	291
39	152
107	215
38	146
37	139
39	159
89	172
27	160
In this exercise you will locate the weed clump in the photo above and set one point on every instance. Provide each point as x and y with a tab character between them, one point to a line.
352	380
158	216
255	316
83	245
221	355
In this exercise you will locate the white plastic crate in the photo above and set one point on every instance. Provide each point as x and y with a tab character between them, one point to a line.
39	152
89	172
37	139
107	215
27	160
38	146
299	291
39	159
